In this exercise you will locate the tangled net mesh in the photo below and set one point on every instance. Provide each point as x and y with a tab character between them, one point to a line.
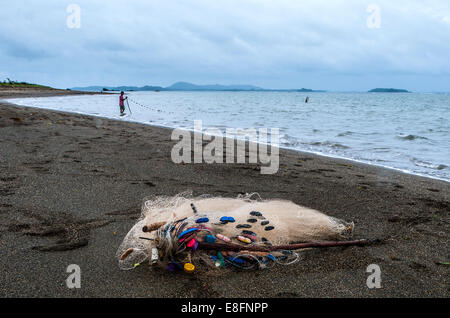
168	247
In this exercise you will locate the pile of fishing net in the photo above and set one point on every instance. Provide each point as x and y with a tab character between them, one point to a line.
193	233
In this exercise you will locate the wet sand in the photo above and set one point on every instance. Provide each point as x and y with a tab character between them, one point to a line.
71	187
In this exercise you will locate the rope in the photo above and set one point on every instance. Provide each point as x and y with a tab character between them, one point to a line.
148	107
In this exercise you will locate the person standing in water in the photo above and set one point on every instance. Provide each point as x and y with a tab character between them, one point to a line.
122	103
307	99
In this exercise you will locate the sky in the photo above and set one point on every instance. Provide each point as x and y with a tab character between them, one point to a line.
340	45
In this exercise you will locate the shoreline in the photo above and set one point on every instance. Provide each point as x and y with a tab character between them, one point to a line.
71	187
191	130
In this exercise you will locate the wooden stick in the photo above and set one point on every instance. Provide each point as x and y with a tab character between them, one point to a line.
268	248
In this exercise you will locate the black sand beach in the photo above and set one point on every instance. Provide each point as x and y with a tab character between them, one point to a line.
71	187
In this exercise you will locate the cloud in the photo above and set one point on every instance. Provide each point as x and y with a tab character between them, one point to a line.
21	50
284	43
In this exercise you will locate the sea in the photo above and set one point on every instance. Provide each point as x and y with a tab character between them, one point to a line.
404	131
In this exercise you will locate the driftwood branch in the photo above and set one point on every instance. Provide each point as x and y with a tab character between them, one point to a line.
268	248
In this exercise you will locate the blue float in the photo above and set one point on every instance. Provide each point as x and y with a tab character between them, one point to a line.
187	232
227	219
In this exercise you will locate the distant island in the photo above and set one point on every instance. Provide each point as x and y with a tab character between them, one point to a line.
388	90
307	90
185	86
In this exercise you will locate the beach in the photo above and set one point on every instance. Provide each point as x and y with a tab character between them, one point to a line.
71	187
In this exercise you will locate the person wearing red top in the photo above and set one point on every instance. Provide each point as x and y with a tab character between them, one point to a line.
121	103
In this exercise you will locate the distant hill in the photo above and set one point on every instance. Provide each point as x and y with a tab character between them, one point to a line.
117	88
388	90
185	86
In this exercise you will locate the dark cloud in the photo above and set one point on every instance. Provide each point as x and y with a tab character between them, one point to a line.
16	49
284	43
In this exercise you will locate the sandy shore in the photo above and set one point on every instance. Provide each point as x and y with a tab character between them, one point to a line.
71	187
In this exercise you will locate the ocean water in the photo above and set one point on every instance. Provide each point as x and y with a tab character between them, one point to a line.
409	132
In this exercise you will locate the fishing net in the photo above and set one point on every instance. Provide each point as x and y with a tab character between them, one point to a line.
171	230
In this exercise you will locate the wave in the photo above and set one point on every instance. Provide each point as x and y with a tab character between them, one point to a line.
346	133
411	137
330	144
429	165
291	141
380	149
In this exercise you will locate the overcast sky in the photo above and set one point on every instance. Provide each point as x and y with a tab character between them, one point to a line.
273	44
